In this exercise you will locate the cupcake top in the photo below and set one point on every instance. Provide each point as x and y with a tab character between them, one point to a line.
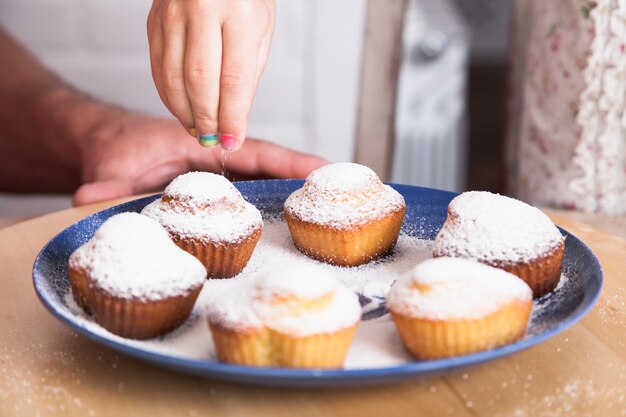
491	227
455	288
343	195
296	302
205	206
132	256
203	188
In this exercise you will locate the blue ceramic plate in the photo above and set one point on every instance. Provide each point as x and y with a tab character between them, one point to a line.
426	212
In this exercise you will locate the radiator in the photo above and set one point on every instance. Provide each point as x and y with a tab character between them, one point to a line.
430	147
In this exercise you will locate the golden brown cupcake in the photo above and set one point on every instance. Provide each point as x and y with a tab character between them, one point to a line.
344	215
134	280
452	306
207	216
287	318
505	233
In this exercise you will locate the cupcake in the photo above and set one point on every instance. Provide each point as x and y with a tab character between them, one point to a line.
344	215
450	306
504	233
133	279
207	216
287	318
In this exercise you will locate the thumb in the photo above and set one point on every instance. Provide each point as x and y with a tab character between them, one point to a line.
101	190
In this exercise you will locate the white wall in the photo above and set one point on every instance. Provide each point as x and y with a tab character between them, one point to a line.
307	98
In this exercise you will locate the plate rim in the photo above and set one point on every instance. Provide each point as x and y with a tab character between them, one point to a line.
275	376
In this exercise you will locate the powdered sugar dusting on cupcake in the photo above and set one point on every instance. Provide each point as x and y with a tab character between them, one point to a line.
312	283
455	288
492	227
207	207
132	256
343	195
261	303
202	188
342	311
343	177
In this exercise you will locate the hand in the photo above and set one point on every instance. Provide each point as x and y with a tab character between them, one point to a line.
128	154
207	57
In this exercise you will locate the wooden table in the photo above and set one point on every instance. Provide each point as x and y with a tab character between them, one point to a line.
9	221
48	370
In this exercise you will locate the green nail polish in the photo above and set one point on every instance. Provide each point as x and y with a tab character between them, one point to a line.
208	140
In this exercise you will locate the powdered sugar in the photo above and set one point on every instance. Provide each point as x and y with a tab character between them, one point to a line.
238	310
311	283
343	177
374	289
131	255
206	207
276	251
455	288
200	188
377	344
492	227
343	195
256	304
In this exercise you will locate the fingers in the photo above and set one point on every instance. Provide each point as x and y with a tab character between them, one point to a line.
206	59
155	42
264	52
172	76
241	44
203	56
101	191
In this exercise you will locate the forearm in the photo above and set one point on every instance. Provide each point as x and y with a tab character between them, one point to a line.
42	122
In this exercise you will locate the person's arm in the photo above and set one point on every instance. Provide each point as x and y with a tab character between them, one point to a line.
41	120
54	138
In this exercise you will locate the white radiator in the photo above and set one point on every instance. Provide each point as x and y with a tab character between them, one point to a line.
431	128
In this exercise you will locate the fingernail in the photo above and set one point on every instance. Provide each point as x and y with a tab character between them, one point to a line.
193	132
208	140
229	142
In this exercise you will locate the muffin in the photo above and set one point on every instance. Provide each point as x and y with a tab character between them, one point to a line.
344	215
504	233
207	216
451	306
133	279
287	318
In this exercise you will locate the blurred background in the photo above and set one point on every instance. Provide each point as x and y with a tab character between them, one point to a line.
317	95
